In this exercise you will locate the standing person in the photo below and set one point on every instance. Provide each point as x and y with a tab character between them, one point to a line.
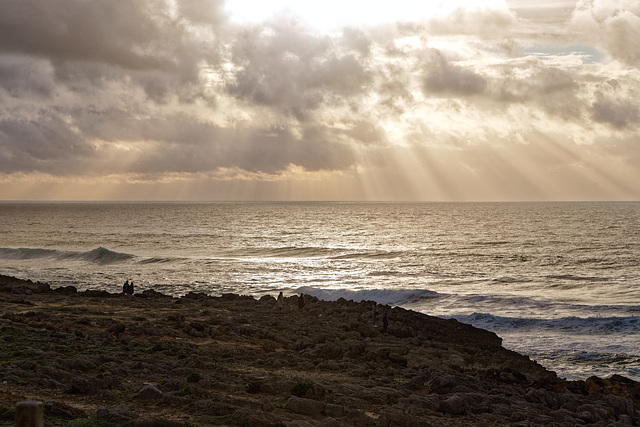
131	288
125	287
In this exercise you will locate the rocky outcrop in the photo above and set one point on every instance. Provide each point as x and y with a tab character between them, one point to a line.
149	359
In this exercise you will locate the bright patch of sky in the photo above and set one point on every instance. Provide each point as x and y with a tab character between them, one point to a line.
587	54
328	15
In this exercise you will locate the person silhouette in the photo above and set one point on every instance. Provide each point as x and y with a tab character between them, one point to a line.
131	288
125	287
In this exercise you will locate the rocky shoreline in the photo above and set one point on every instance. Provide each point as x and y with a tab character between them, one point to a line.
97	358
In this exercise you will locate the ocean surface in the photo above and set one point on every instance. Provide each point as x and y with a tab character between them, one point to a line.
559	282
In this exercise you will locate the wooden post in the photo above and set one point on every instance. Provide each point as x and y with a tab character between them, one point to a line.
29	414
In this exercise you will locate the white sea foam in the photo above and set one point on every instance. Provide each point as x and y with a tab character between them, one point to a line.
573	324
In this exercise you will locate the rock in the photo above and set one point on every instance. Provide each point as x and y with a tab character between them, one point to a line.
309	389
174	384
454	405
429	403
330	422
97	293
277	386
66	290
28	365
149	393
116	415
304	406
62	410
156	422
80	385
117	328
150	293
395	418
253	418
397	359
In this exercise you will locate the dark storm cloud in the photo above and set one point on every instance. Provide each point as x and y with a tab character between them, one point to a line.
113	39
176	143
43	145
110	31
271	151
24	76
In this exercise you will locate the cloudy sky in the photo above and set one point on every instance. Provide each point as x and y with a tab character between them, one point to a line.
334	100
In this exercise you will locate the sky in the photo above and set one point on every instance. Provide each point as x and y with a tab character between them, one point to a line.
457	100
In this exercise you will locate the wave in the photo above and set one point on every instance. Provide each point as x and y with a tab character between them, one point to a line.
381	296
370	255
576	278
573	324
312	252
159	260
99	255
282	252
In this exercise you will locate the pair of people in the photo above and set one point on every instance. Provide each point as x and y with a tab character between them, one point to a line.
127	288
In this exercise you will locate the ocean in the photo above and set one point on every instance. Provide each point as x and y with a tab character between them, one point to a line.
559	282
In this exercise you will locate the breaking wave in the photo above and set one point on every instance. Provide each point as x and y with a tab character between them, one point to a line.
574	324
99	255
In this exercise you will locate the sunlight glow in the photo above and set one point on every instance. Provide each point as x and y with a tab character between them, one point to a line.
333	14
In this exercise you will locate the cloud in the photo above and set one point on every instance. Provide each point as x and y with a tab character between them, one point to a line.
115	32
488	19
281	64
115	39
22	76
553	89
615	107
444	77
613	23
158	89
202	11
43	145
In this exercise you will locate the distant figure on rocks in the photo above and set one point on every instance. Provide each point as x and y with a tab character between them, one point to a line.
300	301
125	287
280	301
375	314
385	323
131	288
